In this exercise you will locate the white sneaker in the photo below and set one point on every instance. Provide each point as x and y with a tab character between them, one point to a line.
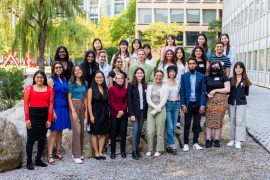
77	160
231	143
148	153
186	148
196	146
157	154
178	125
82	158
237	145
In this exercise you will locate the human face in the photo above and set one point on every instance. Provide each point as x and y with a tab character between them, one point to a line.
139	75
219	49
102	58
58	69
172	74
179	54
169	55
192	65
62	53
136	45
147	50
170	41
158	77
99	79
238	70
78	72
225	39
90	58
123	47
201	40
198	53
97	45
119	79
118	63
39	79
141	55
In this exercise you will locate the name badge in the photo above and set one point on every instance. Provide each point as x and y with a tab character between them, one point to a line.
201	65
216	79
241	84
222	63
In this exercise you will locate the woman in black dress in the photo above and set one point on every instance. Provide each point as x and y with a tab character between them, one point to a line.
98	108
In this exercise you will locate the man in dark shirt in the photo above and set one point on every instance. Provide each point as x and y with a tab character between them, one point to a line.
225	61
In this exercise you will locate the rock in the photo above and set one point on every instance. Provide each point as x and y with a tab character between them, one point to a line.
10	146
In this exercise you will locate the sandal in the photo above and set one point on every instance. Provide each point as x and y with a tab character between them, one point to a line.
59	156
51	160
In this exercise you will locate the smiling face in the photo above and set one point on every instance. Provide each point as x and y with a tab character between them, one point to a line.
147	50
119	79
99	79
78	72
179	54
118	63
201	40
238	70
158	77
90	58
102	58
39	79
170	41
198	53
172	74
141	55
97	45
58	69
225	39
136	45
219	48
123	47
62	53
139	75
192	65
169	55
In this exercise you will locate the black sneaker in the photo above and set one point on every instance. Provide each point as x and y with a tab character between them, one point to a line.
41	163
113	156
208	143
173	151
139	155
216	143
134	155
123	155
30	166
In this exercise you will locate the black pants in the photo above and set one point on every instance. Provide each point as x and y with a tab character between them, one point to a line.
119	125
29	150
192	111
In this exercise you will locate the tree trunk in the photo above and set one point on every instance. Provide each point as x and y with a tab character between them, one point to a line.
42	37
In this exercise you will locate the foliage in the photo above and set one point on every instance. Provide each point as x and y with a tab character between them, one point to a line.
215	29
156	33
110	52
11	87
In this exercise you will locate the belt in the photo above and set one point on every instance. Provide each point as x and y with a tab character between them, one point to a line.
173	101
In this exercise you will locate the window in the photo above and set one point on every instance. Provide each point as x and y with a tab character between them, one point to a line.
193	0
255	60
118	8
161	15
209	15
179	38
193	16
257	9
191	38
268	59
145	16
177	15
261	65
251	11
249	59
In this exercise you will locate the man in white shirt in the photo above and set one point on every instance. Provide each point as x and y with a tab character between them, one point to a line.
103	66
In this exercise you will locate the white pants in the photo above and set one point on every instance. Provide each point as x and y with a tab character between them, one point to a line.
237	115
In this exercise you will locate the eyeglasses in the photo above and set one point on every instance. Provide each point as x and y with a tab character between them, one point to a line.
58	67
39	77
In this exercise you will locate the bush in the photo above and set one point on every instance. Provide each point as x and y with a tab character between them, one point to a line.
11	87
110	52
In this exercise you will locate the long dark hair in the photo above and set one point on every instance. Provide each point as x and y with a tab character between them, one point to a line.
73	77
171	36
123	42
53	75
183	59
220	73
114	61
94	86
149	56
135	81
140	45
246	81
165	59
44	76
205	44
228	44
57	57
85	58
203	57
93	47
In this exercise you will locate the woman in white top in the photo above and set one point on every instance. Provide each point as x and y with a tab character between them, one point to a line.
172	107
169	59
181	62
156	95
170	44
148	54
135	46
229	50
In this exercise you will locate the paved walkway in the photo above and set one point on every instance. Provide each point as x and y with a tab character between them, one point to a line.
258	115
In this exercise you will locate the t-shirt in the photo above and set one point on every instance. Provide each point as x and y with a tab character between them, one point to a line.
215	82
77	91
224	60
112	74
201	67
155	94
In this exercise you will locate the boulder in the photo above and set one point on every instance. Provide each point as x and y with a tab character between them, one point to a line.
10	146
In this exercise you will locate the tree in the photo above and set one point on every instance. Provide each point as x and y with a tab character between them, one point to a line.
38	19
215	29
156	33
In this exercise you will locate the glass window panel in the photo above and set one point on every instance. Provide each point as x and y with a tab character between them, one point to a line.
145	16
209	15
191	38
255	58
161	15
261	65
268	59
177	15
193	16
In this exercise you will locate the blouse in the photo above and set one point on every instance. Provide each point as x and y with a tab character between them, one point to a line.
77	91
215	82
118	99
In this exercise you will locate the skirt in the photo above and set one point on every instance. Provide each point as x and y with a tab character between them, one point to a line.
216	108
38	118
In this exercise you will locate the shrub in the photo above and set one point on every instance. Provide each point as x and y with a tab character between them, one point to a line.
11	87
110	52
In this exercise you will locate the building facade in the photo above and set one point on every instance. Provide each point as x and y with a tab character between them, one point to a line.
194	15
95	9
248	24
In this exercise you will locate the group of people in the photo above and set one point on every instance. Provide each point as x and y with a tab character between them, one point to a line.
107	96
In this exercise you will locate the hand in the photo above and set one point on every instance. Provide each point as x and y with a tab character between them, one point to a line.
132	118
202	110
212	92
209	95
158	109
54	116
184	109
48	124
121	113
74	116
28	124
153	112
92	119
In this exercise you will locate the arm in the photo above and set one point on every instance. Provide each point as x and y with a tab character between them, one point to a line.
165	94
126	84
207	67
247	90
228	71
26	103
224	90
51	100
203	93
130	104
85	104
182	91
148	97
51	84
110	81
89	105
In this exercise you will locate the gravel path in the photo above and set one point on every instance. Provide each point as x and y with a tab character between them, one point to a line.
252	162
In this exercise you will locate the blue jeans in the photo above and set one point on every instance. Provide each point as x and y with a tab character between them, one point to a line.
172	111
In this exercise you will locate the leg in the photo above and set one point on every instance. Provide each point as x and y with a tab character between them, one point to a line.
175	115
232	115
196	124
41	144
150	130
101	143
51	142
29	150
82	118
160	125
208	133
76	138
123	133
188	117
59	140
169	124
140	124
94	142
135	129
218	134
114	123
241	123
